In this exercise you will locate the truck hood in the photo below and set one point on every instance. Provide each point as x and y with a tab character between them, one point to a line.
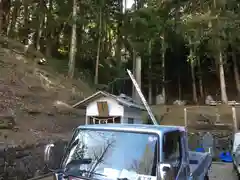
109	174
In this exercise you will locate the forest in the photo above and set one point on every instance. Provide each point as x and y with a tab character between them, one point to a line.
180	49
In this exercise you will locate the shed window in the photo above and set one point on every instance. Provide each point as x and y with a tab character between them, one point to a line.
130	120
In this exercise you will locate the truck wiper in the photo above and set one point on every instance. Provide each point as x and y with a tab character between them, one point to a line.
75	162
122	178
66	174
90	172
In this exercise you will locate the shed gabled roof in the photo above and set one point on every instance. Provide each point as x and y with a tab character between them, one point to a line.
123	100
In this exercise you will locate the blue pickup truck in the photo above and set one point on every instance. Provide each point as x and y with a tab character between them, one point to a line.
127	152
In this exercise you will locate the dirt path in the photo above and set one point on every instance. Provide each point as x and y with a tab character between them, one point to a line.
222	171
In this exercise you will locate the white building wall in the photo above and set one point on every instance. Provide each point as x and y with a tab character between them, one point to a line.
132	113
114	108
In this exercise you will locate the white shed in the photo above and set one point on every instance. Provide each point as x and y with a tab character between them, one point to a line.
103	107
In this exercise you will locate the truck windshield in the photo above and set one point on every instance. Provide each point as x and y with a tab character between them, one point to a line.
113	154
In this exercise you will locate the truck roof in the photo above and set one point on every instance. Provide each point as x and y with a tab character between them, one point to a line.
134	127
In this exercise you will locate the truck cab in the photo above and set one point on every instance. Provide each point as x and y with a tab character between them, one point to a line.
236	153
127	151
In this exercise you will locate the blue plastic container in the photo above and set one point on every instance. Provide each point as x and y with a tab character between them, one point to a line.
200	149
225	157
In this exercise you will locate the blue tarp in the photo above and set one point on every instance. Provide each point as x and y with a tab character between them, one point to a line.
225	157
200	150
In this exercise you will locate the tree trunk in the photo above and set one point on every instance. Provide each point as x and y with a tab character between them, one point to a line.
5	6
138	77
125	8
200	78
224	97
48	40
150	73
219	58
163	70
134	73
14	25
236	73
192	59
99	46
194	89
72	54
118	55
25	23
179	87
39	35
41	21
1	16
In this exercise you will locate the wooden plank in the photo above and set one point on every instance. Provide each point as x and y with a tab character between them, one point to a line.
103	110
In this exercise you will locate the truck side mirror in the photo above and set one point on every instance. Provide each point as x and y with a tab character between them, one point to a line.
53	154
165	172
48	155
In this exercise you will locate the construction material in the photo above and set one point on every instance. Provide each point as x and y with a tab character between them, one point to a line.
142	98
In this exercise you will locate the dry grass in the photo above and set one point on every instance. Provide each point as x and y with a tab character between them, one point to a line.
174	115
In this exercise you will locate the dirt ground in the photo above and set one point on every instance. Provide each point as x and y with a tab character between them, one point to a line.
222	171
34	103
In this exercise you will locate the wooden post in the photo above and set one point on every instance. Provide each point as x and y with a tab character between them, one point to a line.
185	118
235	123
217	115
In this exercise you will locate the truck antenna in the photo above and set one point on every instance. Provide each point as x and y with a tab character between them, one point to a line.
150	113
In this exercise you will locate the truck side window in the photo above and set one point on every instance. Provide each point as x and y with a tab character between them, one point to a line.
172	152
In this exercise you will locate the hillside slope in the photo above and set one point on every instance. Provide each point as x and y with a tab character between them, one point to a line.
30	96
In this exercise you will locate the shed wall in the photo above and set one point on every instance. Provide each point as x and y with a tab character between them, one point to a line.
132	113
114	108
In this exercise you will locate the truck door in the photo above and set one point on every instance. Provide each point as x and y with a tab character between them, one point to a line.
173	153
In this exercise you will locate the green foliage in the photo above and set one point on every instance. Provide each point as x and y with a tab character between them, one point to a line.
191	59
211	28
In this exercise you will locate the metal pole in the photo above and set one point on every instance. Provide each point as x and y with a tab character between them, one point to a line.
235	123
150	113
